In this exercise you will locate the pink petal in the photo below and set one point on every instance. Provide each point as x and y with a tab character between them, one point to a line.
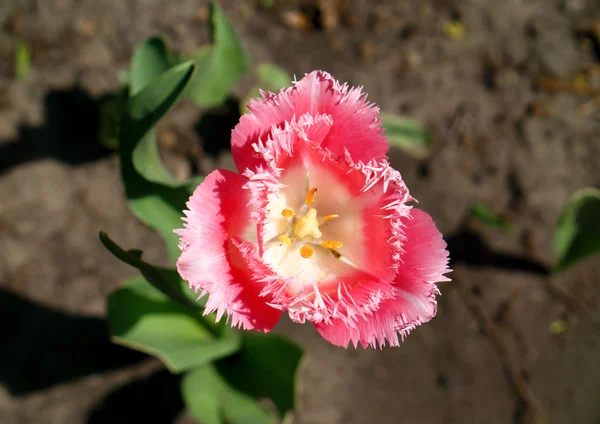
348	299
423	264
212	263
425	257
356	127
355	130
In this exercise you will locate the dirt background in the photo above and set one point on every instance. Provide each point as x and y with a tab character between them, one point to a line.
503	137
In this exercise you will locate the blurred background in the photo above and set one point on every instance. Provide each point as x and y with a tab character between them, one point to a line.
509	92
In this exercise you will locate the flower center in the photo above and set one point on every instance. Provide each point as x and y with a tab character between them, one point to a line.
303	227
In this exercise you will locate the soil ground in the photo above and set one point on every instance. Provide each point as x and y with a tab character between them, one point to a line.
501	137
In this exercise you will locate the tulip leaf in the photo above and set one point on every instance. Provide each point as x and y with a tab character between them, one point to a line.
269	78
111	111
142	318
22	60
165	280
211	400
146	107
221	66
147	161
577	234
265	367
157	205
485	215
272	76
407	135
151	59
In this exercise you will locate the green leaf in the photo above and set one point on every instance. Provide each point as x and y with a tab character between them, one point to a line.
111	111
265	367
22	60
272	77
165	280
151	59
269	78
158	205
485	215
142	318
407	135
146	107
147	161
577	234
211	400
220	67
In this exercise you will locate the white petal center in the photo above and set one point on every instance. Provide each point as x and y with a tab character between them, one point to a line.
312	235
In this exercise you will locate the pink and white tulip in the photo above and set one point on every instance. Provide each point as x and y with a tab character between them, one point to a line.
316	224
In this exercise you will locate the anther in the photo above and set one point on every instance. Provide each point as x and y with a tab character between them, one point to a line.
287	212
306	252
331	244
285	239
329	217
310	196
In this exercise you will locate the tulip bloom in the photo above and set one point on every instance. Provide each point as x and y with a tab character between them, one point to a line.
316	224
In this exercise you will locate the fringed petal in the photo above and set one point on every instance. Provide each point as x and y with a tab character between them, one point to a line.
211	260
349	299
356	128
423	264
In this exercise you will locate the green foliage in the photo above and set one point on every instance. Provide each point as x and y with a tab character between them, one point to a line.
485	215
272	77
213	401
155	83
157	205
577	234
22	60
165	280
265	367
407	135
269	77
221	66
156	312
111	110
151	59
142	318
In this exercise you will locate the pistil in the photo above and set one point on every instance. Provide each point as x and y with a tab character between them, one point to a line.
305	229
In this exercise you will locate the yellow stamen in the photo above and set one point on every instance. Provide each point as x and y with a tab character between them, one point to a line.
310	196
308	225
331	244
285	239
306	252
329	217
287	212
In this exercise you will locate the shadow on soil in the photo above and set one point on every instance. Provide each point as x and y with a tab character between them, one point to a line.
153	399
42	347
69	133
469	248
45	347
215	125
